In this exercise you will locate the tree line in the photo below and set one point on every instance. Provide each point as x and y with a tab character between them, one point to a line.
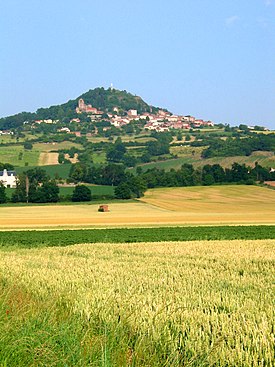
35	186
129	185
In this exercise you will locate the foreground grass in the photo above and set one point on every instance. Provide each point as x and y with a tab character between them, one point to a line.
203	303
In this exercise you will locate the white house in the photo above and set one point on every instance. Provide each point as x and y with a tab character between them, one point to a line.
8	178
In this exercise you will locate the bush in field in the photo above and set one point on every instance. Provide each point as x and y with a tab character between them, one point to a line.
81	193
28	145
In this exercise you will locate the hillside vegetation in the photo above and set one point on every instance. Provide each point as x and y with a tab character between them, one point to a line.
103	99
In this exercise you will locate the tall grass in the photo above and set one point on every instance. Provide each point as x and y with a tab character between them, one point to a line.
146	304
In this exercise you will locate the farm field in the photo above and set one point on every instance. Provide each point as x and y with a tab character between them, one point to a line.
167	206
202	303
192	155
18	156
48	151
40	154
48	158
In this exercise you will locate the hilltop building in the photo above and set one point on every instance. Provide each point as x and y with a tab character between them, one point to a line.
83	107
8	178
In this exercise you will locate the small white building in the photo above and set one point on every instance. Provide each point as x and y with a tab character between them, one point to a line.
8	178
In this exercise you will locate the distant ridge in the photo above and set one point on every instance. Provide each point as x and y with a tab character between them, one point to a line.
100	98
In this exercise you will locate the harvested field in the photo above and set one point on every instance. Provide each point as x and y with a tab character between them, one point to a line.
48	158
237	199
170	206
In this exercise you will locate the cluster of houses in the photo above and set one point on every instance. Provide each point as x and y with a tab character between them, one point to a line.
161	121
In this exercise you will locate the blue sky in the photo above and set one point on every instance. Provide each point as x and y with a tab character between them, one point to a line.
214	59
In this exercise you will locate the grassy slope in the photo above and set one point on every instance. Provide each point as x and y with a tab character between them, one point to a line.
11	154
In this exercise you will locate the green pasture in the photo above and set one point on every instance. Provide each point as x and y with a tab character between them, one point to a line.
53	146
96	190
8	139
54	171
99	157
18	156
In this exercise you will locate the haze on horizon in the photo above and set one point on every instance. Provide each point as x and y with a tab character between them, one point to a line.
209	58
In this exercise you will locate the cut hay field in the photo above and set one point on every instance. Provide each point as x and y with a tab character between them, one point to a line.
167	206
202	303
48	158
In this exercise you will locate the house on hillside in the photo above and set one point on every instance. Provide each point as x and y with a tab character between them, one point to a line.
8	178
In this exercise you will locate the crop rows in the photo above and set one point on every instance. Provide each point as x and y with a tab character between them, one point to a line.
28	239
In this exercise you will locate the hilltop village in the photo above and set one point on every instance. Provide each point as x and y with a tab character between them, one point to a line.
162	121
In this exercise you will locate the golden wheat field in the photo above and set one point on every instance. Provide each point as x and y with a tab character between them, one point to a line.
165	206
213	301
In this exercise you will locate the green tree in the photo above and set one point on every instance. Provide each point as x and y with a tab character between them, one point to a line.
81	193
208	179
50	191
116	151
78	172
28	145
20	192
123	191
179	135
3	197
137	186
187	137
